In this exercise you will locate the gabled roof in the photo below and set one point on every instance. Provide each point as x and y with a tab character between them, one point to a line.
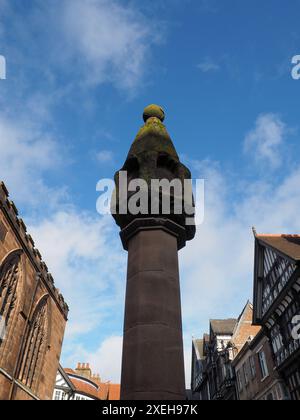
223	326
85	388
66	378
198	344
92	387
288	245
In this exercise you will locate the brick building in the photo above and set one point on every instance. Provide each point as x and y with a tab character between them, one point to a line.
33	313
277	302
256	376
82	384
213	376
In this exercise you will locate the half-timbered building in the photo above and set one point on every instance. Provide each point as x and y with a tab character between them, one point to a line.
81	384
213	377
277	302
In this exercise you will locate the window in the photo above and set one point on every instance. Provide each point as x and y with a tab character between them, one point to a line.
57	395
245	372
3	232
277	272
224	371
60	395
208	392
294	384
252	367
35	343
239	381
230	370
263	364
9	277
278	392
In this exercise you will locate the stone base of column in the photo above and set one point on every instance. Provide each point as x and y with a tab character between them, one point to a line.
152	364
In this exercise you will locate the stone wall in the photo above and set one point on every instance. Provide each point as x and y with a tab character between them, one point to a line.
34	289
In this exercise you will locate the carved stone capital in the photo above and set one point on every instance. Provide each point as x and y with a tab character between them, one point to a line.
152	223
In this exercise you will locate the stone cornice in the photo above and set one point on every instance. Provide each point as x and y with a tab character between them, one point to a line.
152	223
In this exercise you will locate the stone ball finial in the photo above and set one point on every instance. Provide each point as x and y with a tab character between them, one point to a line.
154	111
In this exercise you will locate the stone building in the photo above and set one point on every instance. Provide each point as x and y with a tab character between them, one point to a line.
33	313
277	302
81	384
213	376
256	375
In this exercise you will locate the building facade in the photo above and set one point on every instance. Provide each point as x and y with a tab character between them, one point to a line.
255	372
81	384
277	302
213	377
33	313
200	389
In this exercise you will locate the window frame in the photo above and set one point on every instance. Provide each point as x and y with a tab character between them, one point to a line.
263	365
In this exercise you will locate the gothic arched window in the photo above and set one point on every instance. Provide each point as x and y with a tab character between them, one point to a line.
35	344
9	277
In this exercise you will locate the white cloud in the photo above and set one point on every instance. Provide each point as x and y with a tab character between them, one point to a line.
105	156
208	65
107	359
27	154
110	41
85	43
266	139
217	266
85	257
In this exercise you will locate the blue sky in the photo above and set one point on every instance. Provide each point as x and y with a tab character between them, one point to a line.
79	74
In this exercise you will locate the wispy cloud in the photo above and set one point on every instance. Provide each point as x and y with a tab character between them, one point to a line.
105	359
227	63
217	266
85	256
108	41
105	156
265	140
28	153
92	42
208	65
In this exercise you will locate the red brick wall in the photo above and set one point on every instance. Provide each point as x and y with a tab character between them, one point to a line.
245	328
26	293
257	386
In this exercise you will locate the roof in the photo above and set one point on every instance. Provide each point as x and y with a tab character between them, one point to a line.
86	388
66	377
114	392
199	348
84	385
69	371
288	245
249	345
223	326
93	387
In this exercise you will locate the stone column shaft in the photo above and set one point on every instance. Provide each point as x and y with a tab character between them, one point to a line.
152	365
